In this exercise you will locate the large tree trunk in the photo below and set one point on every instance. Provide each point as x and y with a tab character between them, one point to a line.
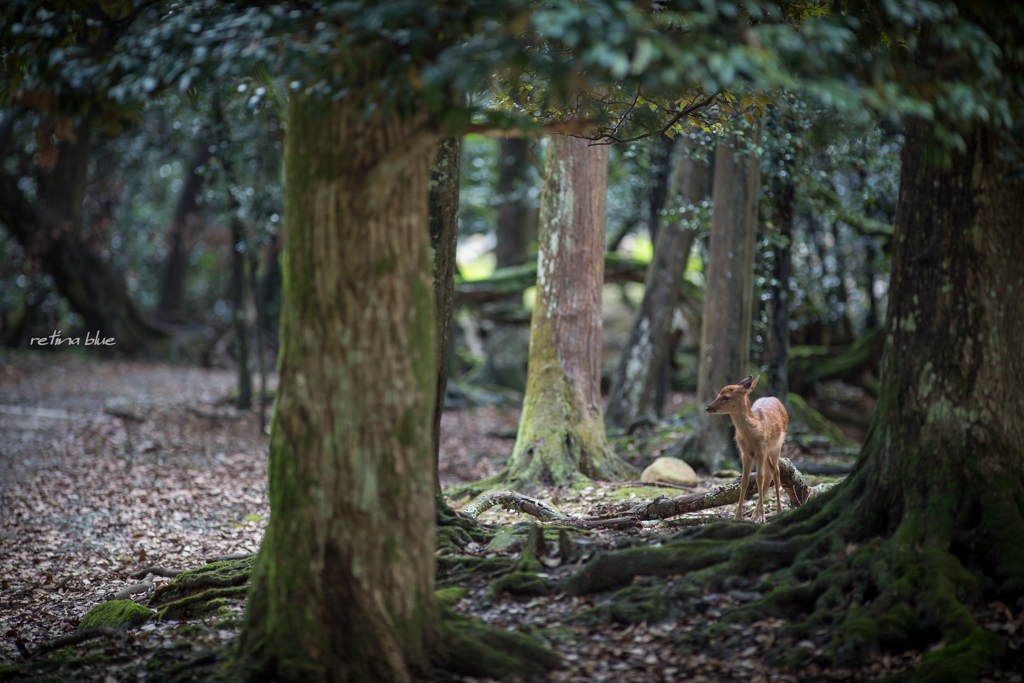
343	588
561	432
642	366
728	301
186	217
53	231
944	457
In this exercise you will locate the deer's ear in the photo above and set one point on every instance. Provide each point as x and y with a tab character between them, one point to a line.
754	383
745	382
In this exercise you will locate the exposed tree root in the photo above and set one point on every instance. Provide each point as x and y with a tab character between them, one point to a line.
217	575
825	567
471	648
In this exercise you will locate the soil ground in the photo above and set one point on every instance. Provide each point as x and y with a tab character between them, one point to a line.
107	467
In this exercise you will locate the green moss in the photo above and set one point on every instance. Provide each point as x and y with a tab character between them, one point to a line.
450	596
964	660
473	649
120	614
211	601
519	583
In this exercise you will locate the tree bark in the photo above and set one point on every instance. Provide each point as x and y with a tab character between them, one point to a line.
728	301
953	356
561	432
186	217
343	588
444	231
52	231
635	386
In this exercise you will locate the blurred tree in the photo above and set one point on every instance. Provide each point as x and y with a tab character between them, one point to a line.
187	214
561	431
728	295
638	384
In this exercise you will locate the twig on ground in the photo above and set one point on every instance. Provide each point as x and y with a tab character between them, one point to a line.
155	571
60	585
225	558
142	587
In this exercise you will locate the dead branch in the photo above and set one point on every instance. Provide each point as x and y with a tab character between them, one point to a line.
155	571
510	500
226	558
65	641
659	508
142	587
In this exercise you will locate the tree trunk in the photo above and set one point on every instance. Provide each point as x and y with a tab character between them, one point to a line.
643	362
343	589
778	355
514	229
661	175
561	432
728	301
953	356
444	232
186	216
52	231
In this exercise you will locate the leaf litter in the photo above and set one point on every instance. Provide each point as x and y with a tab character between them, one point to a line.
108	467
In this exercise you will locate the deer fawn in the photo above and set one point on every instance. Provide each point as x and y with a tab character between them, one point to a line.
760	431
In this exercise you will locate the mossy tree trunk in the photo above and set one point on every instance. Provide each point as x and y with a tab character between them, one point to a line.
643	363
561	431
343	587
728	301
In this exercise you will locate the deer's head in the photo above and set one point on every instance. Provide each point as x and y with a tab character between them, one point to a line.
730	398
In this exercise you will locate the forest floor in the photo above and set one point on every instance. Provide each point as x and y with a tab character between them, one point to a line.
109	467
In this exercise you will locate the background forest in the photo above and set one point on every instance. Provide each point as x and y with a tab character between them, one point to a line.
413	311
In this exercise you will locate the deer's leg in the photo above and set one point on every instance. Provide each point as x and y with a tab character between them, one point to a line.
748	463
777	475
763	472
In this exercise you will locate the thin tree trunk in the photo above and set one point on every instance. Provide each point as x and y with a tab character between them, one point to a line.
444	232
239	247
561	432
844	323
728	301
186	216
52	231
778	355
343	588
642	364
514	229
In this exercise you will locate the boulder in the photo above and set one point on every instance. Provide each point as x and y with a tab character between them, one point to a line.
670	471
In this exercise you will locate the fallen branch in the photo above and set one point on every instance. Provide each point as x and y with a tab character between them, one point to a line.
823	468
660	508
155	571
60	585
65	641
142	587
226	558
510	500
